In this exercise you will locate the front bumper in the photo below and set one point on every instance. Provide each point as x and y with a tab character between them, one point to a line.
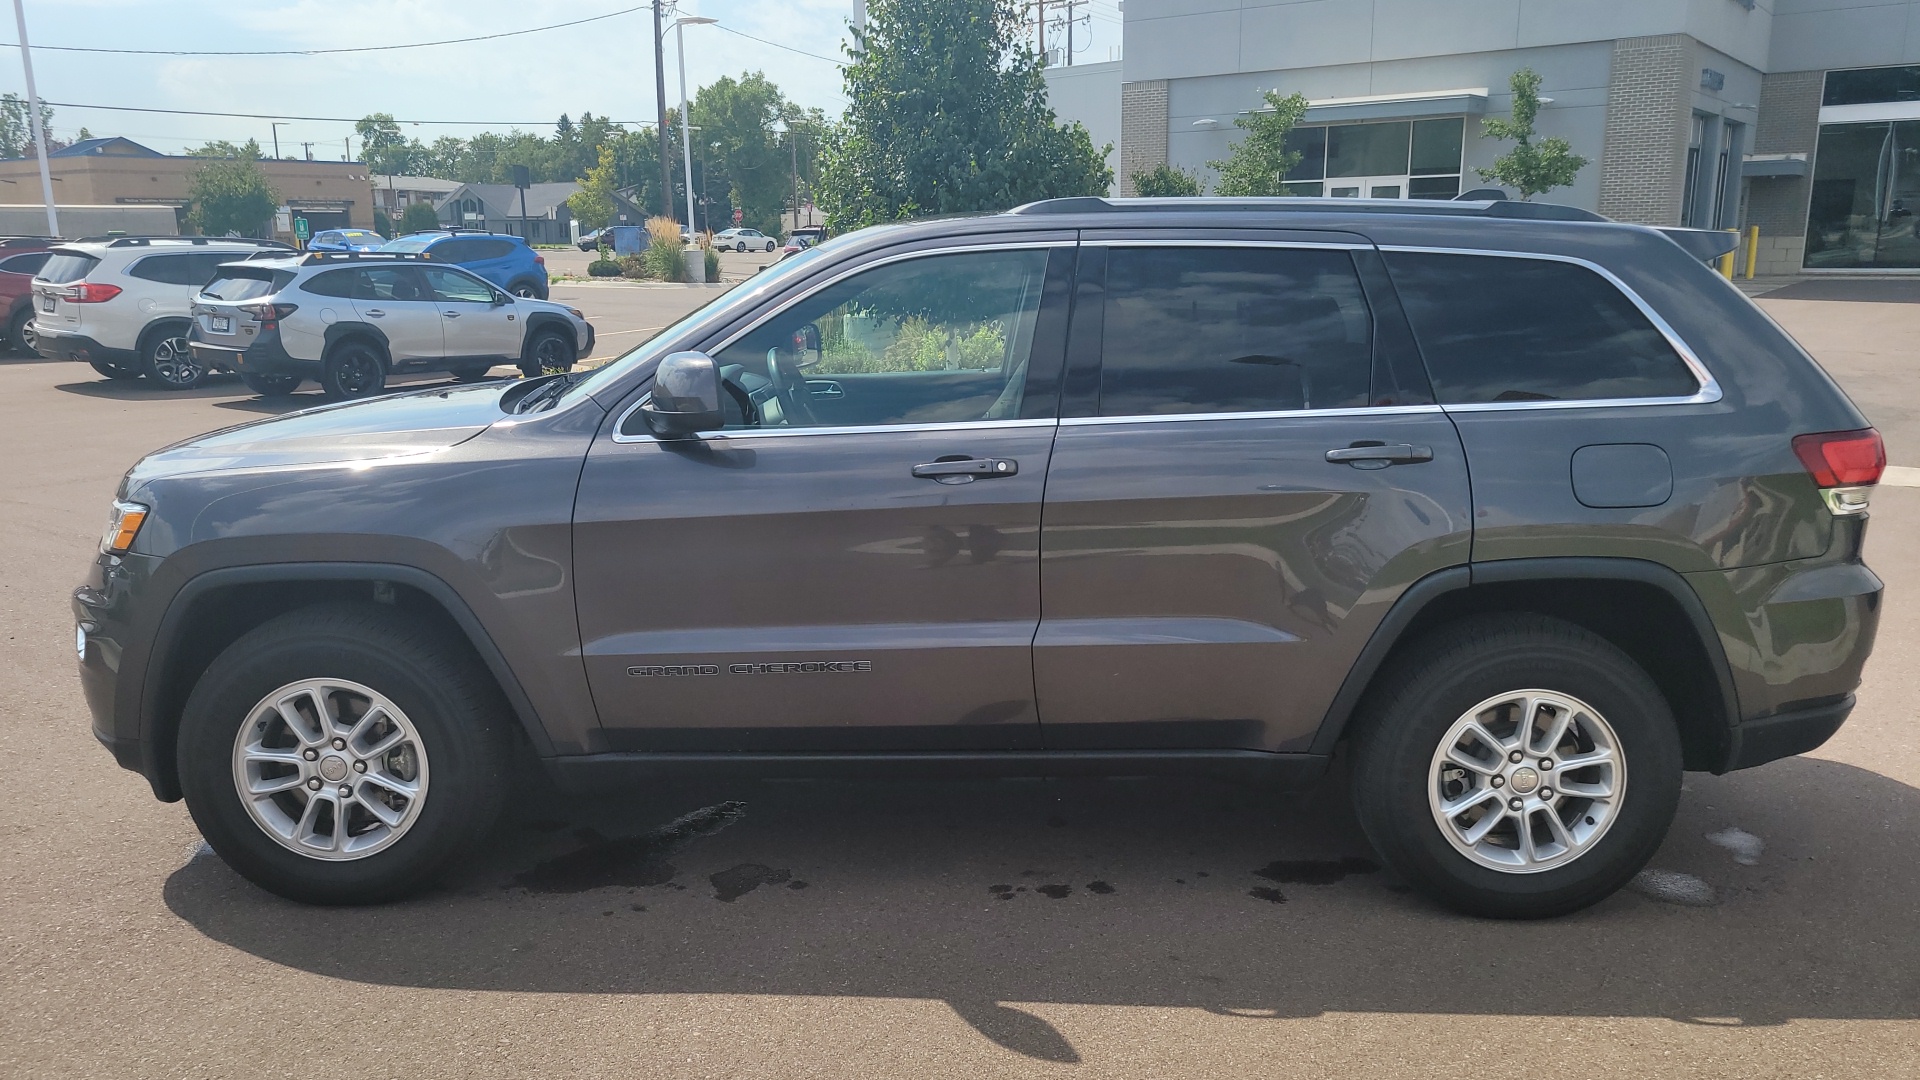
104	611
57	344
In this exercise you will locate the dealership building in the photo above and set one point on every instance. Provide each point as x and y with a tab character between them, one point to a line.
1801	117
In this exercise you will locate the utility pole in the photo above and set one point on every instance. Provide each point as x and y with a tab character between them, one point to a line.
1040	26
793	139
307	149
660	98
33	115
276	126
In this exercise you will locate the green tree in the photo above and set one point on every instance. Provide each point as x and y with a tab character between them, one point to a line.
1259	163
592	205
1530	168
418	217
16	128
1167	180
232	195
947	113
384	149
752	167
221	148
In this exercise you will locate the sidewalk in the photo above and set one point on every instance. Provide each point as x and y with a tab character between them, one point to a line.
1858	288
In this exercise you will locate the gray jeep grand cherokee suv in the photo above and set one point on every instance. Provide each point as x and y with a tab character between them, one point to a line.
1523	510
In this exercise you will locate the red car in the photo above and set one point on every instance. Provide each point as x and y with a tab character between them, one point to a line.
21	257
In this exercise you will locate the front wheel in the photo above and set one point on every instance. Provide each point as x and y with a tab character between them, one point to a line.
270	385
769	245
167	362
1516	766
354	369
20	335
549	353
343	755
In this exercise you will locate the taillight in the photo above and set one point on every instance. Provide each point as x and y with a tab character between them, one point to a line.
269	315
1844	464
539	260
88	292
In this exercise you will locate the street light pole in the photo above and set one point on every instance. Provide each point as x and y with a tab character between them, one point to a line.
686	134
660	98
276	138
33	115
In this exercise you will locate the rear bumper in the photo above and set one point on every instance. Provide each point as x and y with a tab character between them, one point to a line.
56	344
265	356
1770	738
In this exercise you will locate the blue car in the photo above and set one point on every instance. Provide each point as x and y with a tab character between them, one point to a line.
346	240
501	258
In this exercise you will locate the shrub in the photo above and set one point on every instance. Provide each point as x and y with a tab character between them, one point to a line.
418	217
383	224
662	256
634	266
713	263
1166	180
603	267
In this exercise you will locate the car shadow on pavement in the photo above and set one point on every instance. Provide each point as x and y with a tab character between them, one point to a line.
1157	892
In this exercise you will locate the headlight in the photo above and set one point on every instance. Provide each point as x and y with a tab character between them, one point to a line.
577	313
122	527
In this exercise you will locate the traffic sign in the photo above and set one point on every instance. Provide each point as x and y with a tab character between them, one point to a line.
301	229
738	216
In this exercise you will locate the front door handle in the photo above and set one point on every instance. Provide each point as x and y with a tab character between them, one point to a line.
375	313
1380	455
966	470
450	314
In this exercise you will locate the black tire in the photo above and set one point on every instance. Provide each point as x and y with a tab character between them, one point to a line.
270	385
770	245
471	373
458	712
166	360
19	332
529	289
354	368
113	371
1407	715
548	352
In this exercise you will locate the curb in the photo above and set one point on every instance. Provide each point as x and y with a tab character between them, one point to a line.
605	284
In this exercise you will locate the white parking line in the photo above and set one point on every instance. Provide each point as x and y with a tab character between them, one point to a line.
1901	476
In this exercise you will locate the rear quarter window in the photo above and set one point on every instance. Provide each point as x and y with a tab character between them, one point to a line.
1505	329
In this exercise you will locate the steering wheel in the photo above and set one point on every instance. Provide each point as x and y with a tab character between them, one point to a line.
790	386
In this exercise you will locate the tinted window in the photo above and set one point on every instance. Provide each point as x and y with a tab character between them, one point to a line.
458	287
331	283
391	283
325	238
1506	329
246	283
1868	85
1228	329
192	269
25	264
940	339
66	267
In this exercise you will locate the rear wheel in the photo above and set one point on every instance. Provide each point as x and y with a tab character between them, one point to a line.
770	245
343	755
528	289
353	369
1516	766
20	331
166	360
112	370
549	353
270	385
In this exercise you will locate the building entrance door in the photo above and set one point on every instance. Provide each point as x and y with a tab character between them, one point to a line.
1367	187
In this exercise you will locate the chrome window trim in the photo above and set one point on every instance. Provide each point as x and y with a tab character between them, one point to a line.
1328	245
620	424
1708	393
1277	414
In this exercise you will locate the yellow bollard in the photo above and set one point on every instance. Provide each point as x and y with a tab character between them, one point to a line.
1753	249
1726	261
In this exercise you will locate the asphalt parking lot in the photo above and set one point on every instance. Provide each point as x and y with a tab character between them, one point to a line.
963	929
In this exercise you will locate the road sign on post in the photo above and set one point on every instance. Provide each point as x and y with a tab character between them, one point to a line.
738	216
302	230
523	179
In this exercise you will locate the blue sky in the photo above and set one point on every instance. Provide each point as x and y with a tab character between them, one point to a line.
604	67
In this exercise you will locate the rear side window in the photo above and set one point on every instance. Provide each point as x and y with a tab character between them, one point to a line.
246	283
332	283
456	251
67	267
1233	329
25	264
193	269
1500	329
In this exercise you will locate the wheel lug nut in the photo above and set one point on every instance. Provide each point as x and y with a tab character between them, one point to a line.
1514	804
1514	757
1498	781
310	754
339	744
359	766
1546	793
313	784
346	791
1546	764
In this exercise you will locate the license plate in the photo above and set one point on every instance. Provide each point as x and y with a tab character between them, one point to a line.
221	324
46	303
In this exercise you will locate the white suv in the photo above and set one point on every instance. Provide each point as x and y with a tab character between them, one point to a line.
121	304
348	319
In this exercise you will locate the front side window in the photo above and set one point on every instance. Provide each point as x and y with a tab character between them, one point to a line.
1233	330
1501	329
402	283
939	339
457	287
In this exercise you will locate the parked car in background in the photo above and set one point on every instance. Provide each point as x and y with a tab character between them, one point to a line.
348	320
795	245
501	258
346	240
744	240
121	305
21	257
591	240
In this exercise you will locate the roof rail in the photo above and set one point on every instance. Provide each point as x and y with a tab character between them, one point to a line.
312	257
1506	208
197	241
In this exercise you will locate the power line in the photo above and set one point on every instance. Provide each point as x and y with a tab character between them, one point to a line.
329	52
323	119
778	45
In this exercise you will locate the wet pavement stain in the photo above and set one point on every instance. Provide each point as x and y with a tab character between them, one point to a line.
634	861
796	885
1100	888
1001	892
1055	892
1267	893
733	883
1314	871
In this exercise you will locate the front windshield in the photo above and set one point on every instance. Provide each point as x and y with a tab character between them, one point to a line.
728	305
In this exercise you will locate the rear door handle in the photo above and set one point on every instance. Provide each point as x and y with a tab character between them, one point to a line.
1380	455
966	470
375	313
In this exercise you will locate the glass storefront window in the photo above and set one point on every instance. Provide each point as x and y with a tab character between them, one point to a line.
1418	159
1311	143
1866	196
1367	149
1436	146
1872	85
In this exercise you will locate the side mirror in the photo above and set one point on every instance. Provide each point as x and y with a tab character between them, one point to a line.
686	397
806	346
500	298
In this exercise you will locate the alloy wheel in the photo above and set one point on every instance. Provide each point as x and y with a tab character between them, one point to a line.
1527	781
173	362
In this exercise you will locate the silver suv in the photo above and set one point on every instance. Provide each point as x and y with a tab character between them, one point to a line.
121	304
350	319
